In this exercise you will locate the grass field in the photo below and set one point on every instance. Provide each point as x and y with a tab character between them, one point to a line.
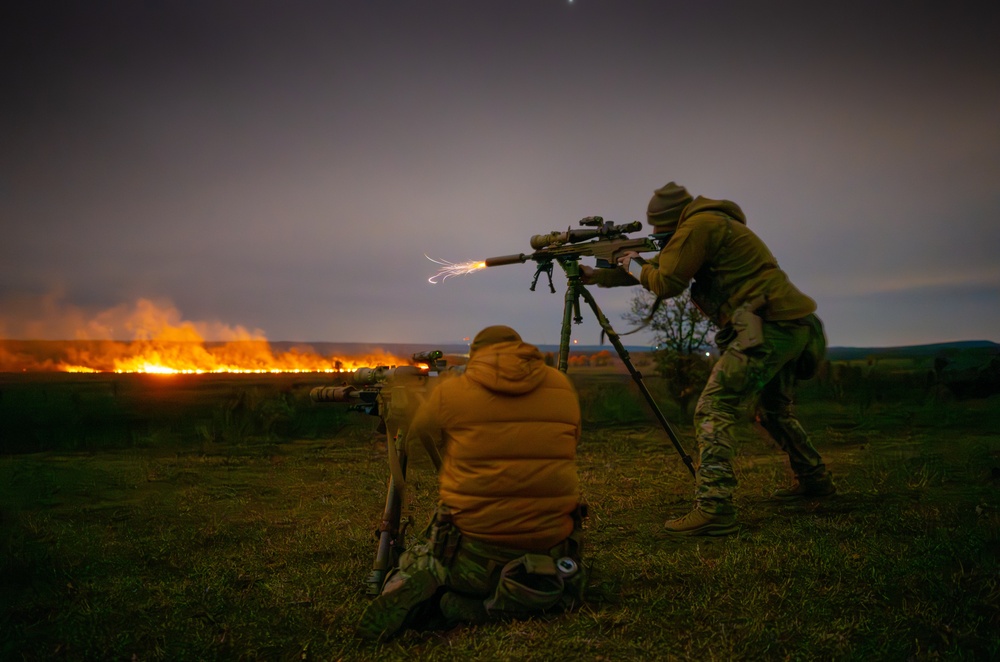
226	518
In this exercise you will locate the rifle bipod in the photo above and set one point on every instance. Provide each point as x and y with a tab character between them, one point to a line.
571	313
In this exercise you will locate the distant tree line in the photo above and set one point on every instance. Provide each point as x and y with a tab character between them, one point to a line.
683	358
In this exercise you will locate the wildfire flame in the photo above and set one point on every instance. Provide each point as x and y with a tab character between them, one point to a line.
167	345
449	269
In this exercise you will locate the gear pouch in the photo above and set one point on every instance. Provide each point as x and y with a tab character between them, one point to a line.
807	365
528	584
748	325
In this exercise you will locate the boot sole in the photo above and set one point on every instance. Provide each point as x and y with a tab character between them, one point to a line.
463	610
802	497
706	531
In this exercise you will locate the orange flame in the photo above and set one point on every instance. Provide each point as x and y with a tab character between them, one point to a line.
449	269
167	345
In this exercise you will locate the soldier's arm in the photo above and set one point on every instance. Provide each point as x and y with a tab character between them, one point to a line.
425	429
669	273
614	277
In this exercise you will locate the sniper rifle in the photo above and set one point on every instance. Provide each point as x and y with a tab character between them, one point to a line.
392	394
600	239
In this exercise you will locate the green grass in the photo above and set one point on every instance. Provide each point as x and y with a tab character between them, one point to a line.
183	548
47	411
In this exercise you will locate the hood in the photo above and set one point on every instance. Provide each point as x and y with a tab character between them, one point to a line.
511	368
702	204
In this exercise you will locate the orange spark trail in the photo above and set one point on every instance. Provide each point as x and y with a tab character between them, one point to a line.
449	269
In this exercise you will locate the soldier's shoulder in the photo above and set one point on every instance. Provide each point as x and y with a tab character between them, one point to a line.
707	210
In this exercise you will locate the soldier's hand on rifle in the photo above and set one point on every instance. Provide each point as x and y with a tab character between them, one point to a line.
631	262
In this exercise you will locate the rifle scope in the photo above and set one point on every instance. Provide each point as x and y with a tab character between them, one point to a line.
427	357
570	236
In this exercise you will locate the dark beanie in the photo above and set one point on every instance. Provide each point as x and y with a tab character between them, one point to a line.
666	205
492	335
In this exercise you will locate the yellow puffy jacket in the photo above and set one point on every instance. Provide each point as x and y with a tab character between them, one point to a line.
507	429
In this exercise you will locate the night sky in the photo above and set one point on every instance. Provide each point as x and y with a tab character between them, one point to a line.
285	166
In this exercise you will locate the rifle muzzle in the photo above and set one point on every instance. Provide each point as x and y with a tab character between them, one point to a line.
520	258
334	394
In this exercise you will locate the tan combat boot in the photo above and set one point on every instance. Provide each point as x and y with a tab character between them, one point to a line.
816	488
700	523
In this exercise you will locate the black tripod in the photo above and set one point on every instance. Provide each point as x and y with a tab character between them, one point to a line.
571	312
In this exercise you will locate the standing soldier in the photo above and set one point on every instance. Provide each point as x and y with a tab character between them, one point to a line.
769	338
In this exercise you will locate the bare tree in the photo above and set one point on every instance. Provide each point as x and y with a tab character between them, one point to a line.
681	332
678	325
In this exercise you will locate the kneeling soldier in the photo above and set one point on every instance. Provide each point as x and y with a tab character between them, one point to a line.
506	538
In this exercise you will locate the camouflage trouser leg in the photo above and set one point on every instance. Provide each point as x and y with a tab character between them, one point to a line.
407	596
499	581
475	570
735	379
714	417
777	416
420	558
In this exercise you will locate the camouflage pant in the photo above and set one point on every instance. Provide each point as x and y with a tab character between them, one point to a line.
765	373
508	582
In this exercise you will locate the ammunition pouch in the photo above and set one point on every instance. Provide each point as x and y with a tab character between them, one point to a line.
747	325
528	584
811	357
444	537
518	583
540	582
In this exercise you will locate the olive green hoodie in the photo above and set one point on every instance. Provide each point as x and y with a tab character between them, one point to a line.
728	263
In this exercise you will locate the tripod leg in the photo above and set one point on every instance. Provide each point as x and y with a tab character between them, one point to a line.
572	303
636	375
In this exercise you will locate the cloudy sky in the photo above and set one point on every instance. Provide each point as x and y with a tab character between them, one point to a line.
285	166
